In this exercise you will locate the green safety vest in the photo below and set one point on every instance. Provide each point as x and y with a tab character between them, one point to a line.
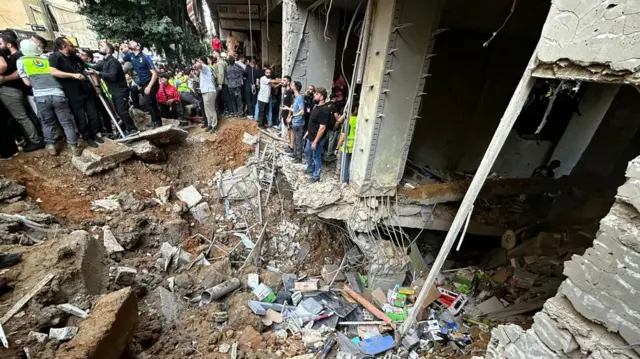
38	71
352	134
182	83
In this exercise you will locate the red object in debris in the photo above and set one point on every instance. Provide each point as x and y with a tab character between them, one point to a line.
447	297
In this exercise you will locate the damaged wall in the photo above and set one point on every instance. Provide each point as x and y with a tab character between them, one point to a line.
596	311
596	40
314	62
471	85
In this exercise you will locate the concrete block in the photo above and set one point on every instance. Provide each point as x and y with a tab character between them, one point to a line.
86	259
108	330
63	334
110	242
168	304
105	157
146	152
164	135
163	193
125	275
557	339
633	168
201	212
189	195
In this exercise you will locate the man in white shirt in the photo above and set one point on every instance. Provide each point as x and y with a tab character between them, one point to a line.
209	93
264	95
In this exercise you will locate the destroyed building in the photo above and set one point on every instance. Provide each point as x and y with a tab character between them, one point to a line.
455	90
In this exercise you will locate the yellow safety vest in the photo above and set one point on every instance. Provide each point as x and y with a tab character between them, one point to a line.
183	84
38	71
351	138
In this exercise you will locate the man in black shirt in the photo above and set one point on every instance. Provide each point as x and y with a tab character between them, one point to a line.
287	102
253	73
315	136
11	91
111	71
309	103
71	72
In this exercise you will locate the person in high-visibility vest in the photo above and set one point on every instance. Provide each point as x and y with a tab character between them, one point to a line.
348	146
49	97
187	96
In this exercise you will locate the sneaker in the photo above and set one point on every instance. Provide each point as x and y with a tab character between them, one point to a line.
212	130
288	150
313	180
9	259
51	149
297	160
249	117
75	150
204	125
98	139
131	132
151	124
90	142
30	147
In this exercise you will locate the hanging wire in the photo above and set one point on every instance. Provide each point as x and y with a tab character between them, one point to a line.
326	24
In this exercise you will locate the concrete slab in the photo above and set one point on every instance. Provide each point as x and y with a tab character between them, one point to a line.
105	157
201	212
147	152
189	195
107	331
163	135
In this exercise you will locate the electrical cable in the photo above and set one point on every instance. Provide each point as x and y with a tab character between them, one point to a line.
268	11
326	24
253	79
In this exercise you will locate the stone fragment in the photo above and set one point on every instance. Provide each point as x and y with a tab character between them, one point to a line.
102	158
108	330
85	258
10	189
168	304
73	310
201	212
63	334
163	135
146	152
106	205
163	194
224	348
189	195
39	337
110	243
125	276
558	340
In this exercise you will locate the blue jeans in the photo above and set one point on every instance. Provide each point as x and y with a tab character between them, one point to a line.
314	159
346	166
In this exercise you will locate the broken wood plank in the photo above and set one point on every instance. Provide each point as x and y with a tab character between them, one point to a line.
16	307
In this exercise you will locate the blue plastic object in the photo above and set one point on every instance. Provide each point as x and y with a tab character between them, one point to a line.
378	344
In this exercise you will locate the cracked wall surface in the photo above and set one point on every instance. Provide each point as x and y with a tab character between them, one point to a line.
596	40
596	313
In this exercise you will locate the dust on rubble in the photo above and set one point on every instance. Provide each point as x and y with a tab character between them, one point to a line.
64	192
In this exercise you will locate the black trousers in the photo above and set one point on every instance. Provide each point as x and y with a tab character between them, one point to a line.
227	105
7	144
86	114
263	107
251	99
150	104
135	96
120	99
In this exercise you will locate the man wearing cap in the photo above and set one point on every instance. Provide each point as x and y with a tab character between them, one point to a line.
49	97
147	80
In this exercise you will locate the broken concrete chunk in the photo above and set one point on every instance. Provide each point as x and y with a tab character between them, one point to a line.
102	158
249	139
10	189
125	276
523	279
201	212
110	243
108	330
146	152
73	310
190	196
163	194
106	205
168	304
39	337
224	348
164	135
63	334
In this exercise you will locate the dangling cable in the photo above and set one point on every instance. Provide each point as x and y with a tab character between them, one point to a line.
326	24
253	80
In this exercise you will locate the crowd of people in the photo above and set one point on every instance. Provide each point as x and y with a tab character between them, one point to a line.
68	96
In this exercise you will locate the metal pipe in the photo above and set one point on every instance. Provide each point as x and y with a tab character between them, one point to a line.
366	29
219	291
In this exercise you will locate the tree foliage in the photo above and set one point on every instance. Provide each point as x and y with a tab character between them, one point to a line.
161	24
